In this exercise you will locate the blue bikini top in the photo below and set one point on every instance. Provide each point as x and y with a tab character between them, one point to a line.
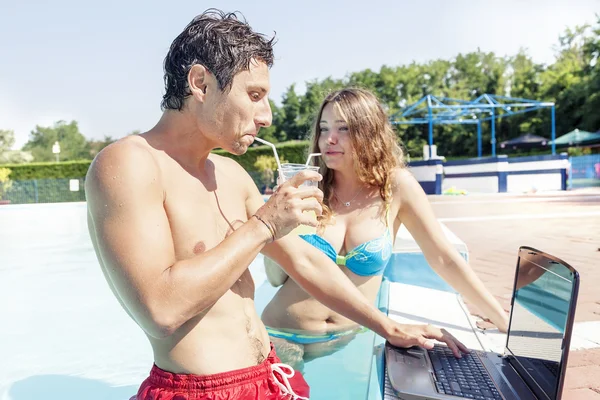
367	259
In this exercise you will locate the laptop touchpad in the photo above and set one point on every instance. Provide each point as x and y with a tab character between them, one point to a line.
408	371
414	358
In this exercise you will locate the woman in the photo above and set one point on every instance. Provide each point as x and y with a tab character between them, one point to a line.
368	194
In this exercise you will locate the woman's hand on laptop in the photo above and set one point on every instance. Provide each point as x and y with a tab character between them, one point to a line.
405	335
485	323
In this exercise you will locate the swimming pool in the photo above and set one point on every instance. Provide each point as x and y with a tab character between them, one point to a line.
65	336
347	373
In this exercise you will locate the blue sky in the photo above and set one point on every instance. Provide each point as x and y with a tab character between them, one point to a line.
100	63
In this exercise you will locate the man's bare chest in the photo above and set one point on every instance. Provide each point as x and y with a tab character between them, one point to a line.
199	218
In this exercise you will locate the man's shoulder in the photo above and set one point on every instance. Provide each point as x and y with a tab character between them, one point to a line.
126	157
128	150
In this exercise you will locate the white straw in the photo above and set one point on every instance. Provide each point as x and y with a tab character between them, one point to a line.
311	156
274	150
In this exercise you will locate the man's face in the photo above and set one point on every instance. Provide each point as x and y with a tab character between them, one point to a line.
235	117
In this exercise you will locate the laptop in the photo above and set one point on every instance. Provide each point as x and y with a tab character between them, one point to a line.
534	362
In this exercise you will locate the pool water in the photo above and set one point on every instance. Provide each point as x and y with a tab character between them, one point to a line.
344	374
65	335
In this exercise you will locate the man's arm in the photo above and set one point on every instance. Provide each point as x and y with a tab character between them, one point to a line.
125	200
416	213
318	275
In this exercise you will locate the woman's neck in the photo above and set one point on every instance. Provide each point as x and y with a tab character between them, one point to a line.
346	182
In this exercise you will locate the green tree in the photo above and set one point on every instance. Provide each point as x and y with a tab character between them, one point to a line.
73	144
5	182
291	122
94	147
564	81
275	132
316	91
267	166
591	69
523	81
7	140
572	82
366	79
9	156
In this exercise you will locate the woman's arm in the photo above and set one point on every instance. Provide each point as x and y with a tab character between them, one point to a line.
275	274
417	215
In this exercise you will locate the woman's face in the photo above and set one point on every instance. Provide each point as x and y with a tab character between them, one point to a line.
334	142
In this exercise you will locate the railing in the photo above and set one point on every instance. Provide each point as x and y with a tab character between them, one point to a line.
585	171
45	191
60	190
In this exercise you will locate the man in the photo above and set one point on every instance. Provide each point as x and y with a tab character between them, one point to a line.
175	227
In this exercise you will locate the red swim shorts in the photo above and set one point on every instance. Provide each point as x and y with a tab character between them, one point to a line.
269	380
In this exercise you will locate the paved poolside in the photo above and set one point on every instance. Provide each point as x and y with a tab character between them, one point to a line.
565	224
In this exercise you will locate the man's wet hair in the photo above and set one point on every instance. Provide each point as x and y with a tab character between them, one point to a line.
222	42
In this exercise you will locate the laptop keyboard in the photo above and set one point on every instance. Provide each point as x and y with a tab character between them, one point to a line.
465	377
551	366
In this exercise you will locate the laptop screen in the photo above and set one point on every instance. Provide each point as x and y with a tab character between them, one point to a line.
540	311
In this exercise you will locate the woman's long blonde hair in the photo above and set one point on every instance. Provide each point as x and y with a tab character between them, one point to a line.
375	148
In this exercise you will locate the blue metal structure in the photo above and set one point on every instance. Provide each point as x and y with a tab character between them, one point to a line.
433	110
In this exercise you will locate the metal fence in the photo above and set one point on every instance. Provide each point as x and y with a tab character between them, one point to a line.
45	191
61	190
585	171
